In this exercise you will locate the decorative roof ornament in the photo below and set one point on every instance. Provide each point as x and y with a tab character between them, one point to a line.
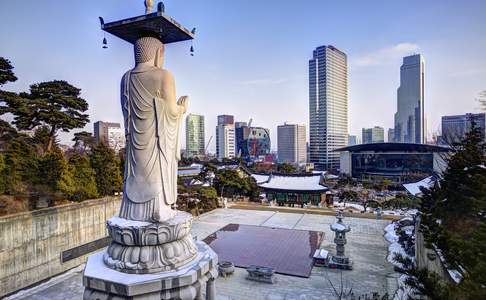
149	6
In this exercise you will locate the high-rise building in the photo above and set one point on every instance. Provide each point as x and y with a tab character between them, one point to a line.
291	144
195	141
111	134
258	142
391	135
455	128
410	117
373	135
352	140
328	106
225	137
242	131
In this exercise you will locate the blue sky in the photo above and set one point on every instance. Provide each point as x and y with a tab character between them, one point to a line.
251	57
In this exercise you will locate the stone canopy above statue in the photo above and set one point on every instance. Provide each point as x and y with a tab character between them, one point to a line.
156	24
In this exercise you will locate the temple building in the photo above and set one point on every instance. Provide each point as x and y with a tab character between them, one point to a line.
294	189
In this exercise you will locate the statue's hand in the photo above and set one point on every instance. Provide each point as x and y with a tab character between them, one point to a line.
183	102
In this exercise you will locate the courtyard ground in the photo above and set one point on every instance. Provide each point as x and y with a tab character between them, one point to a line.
366	246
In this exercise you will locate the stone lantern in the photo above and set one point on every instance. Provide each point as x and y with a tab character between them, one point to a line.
340	261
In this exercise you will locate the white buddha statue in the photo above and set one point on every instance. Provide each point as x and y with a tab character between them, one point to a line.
152	129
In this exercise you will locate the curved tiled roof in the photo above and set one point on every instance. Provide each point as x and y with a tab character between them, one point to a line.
309	183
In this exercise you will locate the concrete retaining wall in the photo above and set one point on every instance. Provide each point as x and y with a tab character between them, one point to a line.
31	243
428	258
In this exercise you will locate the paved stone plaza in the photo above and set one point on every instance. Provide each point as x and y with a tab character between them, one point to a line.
366	246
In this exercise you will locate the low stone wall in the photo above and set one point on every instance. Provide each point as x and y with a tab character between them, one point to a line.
31	243
428	258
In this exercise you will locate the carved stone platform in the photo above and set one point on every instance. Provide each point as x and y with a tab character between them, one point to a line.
143	247
150	259
189	281
131	233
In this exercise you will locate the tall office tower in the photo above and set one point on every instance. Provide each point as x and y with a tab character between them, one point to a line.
455	128
242	131
291	144
111	134
195	141
410	117
225	137
391	135
373	135
328	106
352	140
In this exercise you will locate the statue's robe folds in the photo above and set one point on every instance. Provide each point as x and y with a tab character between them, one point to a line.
152	152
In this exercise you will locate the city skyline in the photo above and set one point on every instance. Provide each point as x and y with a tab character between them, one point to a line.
218	84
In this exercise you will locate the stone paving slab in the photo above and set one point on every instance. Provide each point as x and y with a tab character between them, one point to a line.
283	220
366	246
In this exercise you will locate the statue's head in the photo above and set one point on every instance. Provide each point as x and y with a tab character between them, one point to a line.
149	49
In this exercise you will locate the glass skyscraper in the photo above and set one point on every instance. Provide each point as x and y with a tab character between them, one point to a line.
455	128
328	106
373	135
410	117
195	135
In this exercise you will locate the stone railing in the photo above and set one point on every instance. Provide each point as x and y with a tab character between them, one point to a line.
39	244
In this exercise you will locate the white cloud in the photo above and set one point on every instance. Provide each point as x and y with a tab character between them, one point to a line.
385	55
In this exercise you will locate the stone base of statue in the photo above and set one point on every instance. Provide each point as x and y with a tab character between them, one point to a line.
151	261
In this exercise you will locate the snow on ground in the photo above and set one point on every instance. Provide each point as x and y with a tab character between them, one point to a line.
395	212
401	212
391	235
403	289
455	274
394	249
350	205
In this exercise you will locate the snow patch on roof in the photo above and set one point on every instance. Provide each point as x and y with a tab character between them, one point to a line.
414	188
260	178
295	183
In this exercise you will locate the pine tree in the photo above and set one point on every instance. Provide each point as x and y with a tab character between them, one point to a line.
54	173
21	167
6	73
8	100
54	103
84	177
84	141
106	166
454	216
